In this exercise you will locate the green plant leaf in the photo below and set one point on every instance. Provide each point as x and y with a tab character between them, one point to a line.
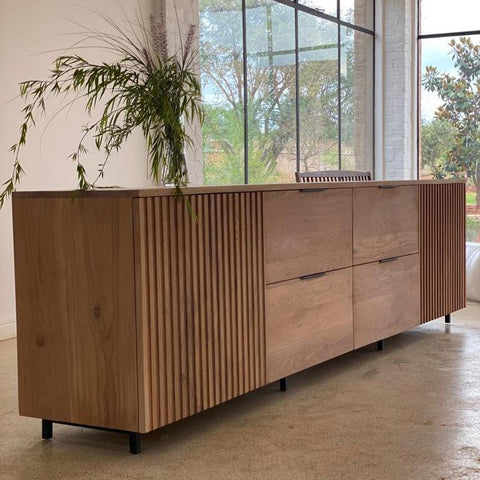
143	88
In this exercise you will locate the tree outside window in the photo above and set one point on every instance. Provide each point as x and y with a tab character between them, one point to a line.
284	90
450	99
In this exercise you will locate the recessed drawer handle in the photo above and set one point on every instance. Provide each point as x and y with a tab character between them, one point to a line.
388	186
388	260
312	190
314	275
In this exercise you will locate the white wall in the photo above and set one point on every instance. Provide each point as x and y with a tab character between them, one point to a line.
26	33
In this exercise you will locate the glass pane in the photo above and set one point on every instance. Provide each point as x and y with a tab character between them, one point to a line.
357	12
221	61
271	92
450	130
318	55
443	16
356	73
450	124
326	6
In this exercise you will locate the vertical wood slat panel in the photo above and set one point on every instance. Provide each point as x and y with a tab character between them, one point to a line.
161	305
166	299
142	314
442	249
152	295
200	294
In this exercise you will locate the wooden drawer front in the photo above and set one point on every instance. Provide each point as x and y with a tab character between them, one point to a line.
307	233
386	299
385	223
308	322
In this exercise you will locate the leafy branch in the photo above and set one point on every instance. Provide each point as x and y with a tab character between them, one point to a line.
145	88
460	110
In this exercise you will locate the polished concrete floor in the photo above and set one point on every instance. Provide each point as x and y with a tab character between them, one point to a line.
409	412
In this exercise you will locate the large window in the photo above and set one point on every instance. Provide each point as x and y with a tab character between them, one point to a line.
449	119
287	86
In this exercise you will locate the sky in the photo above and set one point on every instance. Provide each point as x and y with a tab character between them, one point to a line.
438	16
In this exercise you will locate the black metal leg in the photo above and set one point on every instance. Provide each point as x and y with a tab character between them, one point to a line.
134	443
447	318
47	429
380	345
283	384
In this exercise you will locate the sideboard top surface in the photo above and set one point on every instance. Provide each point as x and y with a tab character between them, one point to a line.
168	191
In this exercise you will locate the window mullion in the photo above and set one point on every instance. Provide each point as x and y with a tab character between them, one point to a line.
297	92
245	90
339	94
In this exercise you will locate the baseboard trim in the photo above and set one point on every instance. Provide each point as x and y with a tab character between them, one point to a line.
8	331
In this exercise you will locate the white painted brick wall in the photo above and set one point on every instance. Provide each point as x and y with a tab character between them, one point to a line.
399	73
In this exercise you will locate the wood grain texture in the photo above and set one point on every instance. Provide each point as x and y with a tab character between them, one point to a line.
442	249
132	314
308	322
385	223
200	287
307	233
386	299
202	190
76	311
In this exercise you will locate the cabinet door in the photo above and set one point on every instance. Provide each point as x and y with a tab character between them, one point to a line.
307	322
442	249
307	232
200	303
385	222
386	299
75	288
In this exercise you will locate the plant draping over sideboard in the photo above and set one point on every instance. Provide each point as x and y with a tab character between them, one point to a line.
146	87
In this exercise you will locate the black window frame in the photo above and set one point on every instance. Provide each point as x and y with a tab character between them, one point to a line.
420	38
299	7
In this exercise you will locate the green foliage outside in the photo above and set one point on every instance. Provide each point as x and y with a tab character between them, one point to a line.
438	138
271	92
471	198
473	228
452	140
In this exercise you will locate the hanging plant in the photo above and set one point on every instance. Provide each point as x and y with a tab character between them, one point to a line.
147	88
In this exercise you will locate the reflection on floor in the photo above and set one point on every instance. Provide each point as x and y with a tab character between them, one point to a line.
409	412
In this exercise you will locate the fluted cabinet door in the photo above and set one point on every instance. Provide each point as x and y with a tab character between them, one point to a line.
200	302
442	249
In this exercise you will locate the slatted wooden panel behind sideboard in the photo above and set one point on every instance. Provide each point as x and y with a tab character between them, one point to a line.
200	303
442	249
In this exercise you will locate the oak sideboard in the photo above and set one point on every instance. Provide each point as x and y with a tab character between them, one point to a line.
133	313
